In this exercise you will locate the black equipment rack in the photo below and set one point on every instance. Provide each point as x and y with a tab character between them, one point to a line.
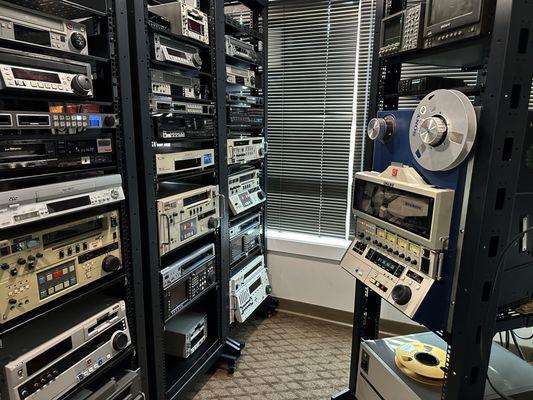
171	377
109	48
478	308
249	25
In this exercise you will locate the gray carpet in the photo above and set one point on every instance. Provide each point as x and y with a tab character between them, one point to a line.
286	357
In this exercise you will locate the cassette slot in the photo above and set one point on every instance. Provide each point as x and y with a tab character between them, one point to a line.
22	156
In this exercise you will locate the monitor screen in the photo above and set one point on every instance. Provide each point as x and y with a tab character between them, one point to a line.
406	210
392	30
441	11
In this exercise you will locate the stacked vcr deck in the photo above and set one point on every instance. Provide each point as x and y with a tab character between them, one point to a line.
181	151
63	206
247	147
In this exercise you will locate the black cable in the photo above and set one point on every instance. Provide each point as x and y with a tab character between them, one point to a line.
518	348
507	340
503	396
523	338
492	290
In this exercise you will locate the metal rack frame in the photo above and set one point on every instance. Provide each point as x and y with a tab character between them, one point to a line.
128	283
475	311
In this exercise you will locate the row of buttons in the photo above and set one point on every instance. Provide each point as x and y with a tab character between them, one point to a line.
59	287
410	283
93	367
19	290
55	275
379	285
70	251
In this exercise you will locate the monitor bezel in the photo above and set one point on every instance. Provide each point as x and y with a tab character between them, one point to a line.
452	23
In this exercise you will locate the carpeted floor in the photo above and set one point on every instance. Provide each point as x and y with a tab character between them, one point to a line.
286	357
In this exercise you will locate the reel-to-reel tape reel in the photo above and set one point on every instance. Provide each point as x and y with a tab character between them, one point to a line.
442	130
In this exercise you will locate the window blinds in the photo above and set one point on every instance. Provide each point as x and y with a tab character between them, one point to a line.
312	69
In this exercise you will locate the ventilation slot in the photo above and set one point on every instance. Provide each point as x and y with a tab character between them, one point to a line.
523	40
500	199
507	149
515	95
493	246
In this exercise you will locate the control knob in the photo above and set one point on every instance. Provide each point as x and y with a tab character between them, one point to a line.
120	341
12	301
197	91
4	266
407	258
433	131
401	294
111	264
81	84
381	129
24	393
109	120
114	194
252	80
211	277
260	195
268	289
212	223
21	261
361	235
14	272
197	61
78	41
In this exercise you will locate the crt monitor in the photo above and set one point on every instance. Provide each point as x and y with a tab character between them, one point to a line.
445	15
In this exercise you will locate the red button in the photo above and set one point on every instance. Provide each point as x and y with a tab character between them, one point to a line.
394	172
57	274
89	361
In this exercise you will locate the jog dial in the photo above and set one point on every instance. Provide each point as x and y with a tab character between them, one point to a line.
81	84
381	129
401	294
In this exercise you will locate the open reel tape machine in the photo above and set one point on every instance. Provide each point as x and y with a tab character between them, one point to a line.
408	209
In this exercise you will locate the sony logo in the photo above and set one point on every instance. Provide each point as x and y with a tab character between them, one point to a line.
13	198
446	25
390	184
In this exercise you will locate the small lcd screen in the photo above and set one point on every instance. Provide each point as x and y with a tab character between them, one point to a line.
186	164
22	150
409	211
196	27
59	206
384	262
247	177
195	199
31	75
176	53
30	35
441	11
54	237
392	30
48	356
255	285
177	296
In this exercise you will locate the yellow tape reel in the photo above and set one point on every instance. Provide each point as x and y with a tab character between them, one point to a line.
421	362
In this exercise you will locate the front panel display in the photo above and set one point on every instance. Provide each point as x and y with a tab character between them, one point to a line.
32	27
39	267
409	211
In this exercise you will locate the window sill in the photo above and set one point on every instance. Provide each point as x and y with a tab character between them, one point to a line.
306	245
